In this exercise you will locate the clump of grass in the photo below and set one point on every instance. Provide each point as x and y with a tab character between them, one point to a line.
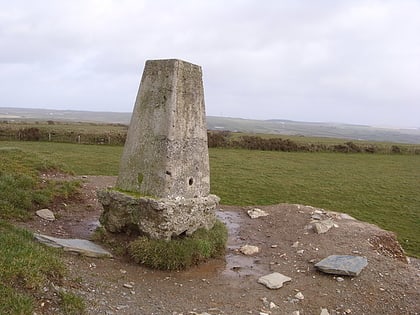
180	253
25	268
12	302
72	304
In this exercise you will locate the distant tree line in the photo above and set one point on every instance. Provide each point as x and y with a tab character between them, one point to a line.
37	134
224	139
216	139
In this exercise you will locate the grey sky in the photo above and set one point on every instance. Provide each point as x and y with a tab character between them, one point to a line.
342	61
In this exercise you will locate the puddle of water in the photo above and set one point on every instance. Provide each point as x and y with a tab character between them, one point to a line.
234	265
237	265
232	221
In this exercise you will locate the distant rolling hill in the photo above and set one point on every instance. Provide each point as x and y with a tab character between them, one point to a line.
275	126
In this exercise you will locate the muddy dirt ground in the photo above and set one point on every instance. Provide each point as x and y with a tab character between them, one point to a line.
388	285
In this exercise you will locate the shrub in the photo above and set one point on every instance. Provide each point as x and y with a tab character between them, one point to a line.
395	149
218	139
30	134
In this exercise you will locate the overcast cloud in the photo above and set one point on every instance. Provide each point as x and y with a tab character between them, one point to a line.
342	61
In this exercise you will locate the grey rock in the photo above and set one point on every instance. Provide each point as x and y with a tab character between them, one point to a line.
342	265
82	247
274	280
316	216
323	226
46	214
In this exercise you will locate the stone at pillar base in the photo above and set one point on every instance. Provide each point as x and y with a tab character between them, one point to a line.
156	218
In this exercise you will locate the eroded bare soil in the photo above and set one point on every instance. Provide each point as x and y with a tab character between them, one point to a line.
388	285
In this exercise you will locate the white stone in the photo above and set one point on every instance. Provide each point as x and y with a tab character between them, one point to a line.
296	313
256	213
273	305
274	280
46	214
249	250
299	296
324	311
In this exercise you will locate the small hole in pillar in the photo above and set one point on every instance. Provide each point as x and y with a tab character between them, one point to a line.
190	181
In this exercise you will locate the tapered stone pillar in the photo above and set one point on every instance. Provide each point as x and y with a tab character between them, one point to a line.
163	186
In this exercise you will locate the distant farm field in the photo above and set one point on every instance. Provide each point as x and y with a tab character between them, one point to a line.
379	188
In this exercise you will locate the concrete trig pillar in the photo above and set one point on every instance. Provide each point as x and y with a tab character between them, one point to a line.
166	152
165	158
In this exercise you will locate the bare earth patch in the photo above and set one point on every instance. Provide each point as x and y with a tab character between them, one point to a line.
287	244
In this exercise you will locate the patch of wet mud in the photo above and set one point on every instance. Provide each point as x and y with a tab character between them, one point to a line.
83	229
237	264
234	264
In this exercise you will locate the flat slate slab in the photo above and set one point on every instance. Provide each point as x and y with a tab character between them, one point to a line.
342	265
82	247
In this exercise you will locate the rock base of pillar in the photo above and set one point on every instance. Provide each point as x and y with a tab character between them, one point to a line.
156	218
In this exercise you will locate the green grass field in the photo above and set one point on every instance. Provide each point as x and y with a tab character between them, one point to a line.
27	267
378	188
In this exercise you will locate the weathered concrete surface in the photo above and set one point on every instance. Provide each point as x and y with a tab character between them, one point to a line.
157	218
82	247
166	154
165	160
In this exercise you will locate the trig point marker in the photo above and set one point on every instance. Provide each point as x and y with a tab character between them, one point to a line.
163	186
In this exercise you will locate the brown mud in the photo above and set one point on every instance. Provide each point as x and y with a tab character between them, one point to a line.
388	285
